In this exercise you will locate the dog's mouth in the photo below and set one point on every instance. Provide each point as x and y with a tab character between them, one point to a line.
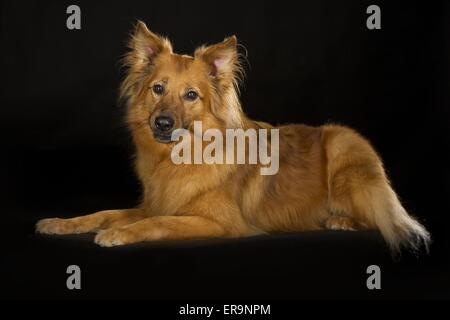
166	137
163	137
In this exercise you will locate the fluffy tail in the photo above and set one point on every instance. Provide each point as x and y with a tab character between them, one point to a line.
400	230
359	188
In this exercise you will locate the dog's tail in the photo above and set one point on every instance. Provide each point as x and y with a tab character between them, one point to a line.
398	228
358	187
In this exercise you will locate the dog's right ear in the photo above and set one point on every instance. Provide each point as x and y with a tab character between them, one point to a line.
146	45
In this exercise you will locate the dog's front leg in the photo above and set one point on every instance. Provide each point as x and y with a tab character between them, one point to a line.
161	228
90	223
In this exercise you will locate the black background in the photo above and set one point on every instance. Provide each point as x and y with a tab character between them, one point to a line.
66	150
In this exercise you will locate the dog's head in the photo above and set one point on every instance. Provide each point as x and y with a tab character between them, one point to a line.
166	91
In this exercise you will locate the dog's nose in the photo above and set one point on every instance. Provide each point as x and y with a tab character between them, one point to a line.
164	123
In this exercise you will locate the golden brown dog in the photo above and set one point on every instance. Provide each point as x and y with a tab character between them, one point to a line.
329	177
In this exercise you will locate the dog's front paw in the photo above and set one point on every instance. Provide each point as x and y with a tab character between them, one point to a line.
56	226
60	226
114	237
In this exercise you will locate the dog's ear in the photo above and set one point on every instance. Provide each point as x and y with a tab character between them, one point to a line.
225	71
222	59
146	45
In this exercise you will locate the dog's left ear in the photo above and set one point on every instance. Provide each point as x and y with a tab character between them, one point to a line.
225	71
222	58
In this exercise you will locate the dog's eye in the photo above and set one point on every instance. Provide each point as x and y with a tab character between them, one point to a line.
191	95
158	89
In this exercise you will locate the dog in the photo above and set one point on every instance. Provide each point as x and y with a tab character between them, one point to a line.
329	177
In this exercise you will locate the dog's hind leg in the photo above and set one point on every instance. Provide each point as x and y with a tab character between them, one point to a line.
90	223
359	189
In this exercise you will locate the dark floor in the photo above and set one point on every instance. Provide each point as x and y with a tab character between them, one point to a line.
326	264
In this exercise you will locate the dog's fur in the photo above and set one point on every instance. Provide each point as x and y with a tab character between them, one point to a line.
330	177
